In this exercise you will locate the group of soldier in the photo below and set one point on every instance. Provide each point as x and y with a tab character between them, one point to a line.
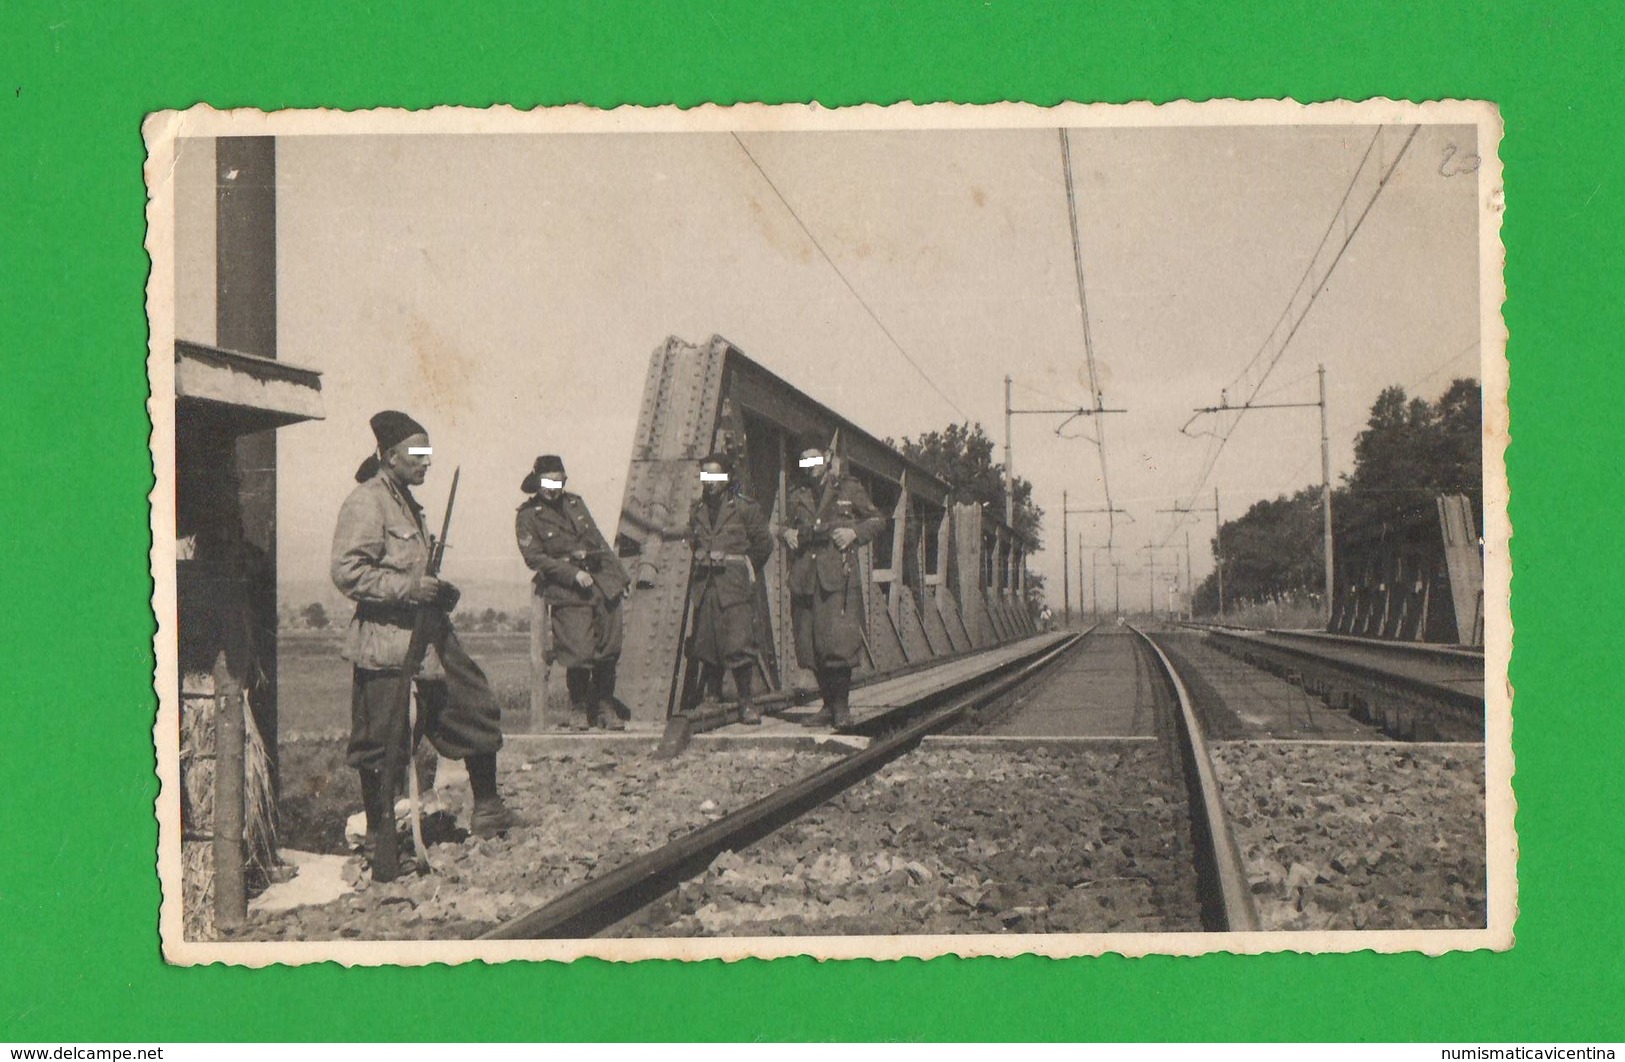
381	560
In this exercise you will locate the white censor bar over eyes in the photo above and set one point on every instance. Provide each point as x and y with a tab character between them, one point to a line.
553	484
812	462
713	477
420	451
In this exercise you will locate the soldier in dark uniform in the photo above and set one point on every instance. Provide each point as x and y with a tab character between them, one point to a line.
731	543
380	560
582	581
829	517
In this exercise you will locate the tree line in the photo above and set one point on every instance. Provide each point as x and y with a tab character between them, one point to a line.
1410	451
961	455
315	617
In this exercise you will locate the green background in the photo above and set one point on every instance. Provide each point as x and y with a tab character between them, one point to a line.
78	897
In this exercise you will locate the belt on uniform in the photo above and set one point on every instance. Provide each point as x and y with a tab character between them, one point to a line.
386	615
750	569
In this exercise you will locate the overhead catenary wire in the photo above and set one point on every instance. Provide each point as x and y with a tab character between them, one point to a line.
1282	388
1470	348
1354	420
855	293
1041	393
1309	267
1224	433
1058	400
1088	338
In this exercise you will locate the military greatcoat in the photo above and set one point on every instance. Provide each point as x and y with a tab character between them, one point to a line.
559	539
826	585
731	543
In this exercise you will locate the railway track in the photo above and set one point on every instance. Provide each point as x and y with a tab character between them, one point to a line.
1074	784
614	901
1413	691
1226	874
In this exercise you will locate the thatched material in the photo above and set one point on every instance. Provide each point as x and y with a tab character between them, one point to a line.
197	805
197	890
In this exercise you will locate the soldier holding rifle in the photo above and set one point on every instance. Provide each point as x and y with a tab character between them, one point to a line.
731	542
381	561
582	582
829	517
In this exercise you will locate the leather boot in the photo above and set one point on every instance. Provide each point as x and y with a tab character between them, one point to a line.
825	716
578	683
840	688
710	685
380	818
490	816
606	717
744	678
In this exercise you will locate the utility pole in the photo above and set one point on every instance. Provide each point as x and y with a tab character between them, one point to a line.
1325	473
1218	550
1066	512
1326	494
1190	587
1066	566
1080	576
1009	459
1151	578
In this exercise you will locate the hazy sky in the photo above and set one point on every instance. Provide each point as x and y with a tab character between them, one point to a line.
508	291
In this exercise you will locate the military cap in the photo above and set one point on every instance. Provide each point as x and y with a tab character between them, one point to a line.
546	465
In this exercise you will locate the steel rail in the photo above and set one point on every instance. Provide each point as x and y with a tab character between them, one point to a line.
1235	892
1449	696
1432	650
599	903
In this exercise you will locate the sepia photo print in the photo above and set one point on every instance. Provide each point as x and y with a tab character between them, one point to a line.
871	532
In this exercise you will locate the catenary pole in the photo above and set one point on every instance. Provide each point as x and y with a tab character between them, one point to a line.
1066	568
1009	467
1326	495
1080	577
1010	413
1190	587
1218	549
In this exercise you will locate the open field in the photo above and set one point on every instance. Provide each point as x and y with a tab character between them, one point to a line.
314	681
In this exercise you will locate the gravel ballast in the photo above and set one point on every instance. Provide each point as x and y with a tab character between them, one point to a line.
1077	839
595	809
1356	835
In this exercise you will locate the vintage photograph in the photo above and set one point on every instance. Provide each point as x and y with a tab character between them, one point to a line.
879	532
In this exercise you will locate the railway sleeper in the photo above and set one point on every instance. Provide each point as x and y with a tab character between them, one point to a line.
1398	713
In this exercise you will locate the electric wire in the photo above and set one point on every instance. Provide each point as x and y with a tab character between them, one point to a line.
861	300
1088	338
1224	434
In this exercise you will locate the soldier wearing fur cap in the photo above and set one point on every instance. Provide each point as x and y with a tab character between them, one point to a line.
380	559
582	582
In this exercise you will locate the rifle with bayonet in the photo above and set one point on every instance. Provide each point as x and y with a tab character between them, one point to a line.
817	534
428	625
